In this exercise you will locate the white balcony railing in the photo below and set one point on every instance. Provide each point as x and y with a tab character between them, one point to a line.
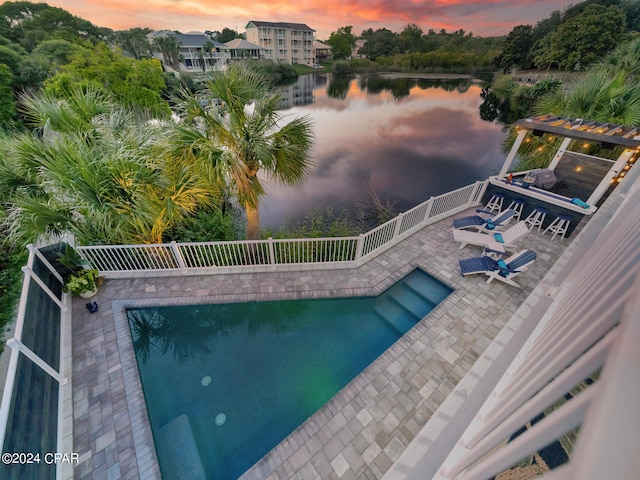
217	257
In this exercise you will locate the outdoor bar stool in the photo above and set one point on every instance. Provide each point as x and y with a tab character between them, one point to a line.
495	204
517	205
559	226
536	217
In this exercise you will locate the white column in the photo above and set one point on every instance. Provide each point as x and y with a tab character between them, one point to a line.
559	153
512	153
606	181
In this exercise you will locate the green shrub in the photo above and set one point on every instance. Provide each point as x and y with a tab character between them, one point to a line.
207	225
276	73
319	224
342	66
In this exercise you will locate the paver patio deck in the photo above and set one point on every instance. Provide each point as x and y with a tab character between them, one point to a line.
361	431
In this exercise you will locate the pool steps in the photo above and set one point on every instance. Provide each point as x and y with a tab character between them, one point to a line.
177	447
395	315
407	302
412	301
434	291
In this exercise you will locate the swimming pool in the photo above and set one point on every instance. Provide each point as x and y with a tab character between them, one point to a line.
225	383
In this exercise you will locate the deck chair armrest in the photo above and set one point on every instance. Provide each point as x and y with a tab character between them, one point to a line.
490	252
485	212
504	273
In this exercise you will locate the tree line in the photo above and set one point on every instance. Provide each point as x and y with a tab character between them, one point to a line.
572	39
569	40
413	50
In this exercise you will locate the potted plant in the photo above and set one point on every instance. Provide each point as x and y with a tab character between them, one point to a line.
78	277
83	283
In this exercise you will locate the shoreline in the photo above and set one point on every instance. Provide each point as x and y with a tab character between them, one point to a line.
434	76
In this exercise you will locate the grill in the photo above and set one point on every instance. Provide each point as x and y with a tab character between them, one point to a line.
543	178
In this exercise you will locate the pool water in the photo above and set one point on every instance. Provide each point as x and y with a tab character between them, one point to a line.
226	383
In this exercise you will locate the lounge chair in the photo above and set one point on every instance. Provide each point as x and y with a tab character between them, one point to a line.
484	224
498	241
503	270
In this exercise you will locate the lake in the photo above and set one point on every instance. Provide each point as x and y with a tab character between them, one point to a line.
405	138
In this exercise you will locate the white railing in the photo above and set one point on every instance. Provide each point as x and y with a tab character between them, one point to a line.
591	330
239	255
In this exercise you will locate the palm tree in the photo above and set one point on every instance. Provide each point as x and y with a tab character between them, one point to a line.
243	136
170	49
96	171
609	92
599	96
625	57
209	47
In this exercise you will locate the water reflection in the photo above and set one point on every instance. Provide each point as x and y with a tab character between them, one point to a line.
401	87
407	138
189	333
299	93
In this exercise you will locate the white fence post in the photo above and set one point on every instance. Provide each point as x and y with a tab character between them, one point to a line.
479	192
272	254
178	255
396	230
427	211
359	247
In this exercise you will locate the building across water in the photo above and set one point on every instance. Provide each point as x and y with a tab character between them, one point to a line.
284	42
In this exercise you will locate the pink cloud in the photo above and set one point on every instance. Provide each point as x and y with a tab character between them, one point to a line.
482	17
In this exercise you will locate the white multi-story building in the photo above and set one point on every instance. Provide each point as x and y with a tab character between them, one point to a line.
284	42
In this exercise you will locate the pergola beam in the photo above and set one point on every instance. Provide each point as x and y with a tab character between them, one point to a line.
512	154
628	137
610	176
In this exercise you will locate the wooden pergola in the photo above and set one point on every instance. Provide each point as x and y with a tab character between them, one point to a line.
607	134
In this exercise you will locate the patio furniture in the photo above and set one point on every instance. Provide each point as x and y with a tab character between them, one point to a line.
503	270
495	241
536	217
495	203
559	226
484	224
518	206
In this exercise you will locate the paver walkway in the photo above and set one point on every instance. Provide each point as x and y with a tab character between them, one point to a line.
362	430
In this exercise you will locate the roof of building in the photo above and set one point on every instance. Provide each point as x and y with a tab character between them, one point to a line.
290	26
601	132
242	44
320	45
191	39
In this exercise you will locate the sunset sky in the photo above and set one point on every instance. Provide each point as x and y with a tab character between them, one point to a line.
481	17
